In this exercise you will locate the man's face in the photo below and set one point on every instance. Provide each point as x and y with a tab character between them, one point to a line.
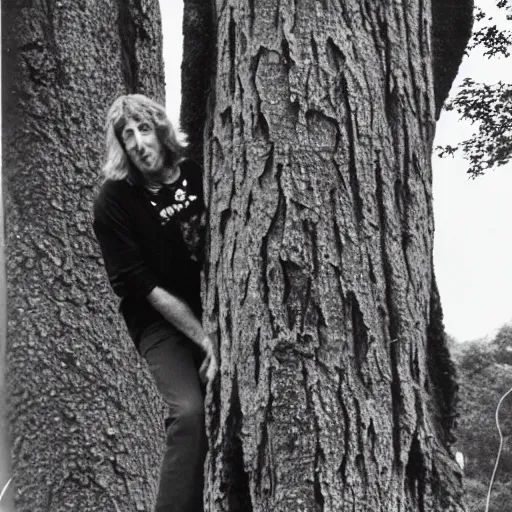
143	146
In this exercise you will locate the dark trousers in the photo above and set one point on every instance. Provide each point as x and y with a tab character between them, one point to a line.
174	361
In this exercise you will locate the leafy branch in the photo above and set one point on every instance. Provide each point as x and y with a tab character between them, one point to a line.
488	106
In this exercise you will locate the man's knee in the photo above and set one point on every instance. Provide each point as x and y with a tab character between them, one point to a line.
189	414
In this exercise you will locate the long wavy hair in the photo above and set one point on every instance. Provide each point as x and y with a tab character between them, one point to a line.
117	165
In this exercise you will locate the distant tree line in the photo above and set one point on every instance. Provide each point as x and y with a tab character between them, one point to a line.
485	374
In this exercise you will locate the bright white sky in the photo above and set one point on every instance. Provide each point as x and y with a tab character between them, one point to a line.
473	241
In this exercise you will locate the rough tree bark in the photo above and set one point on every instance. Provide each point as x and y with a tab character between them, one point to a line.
5	459
336	389
85	424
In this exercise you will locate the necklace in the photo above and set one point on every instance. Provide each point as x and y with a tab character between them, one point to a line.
155	187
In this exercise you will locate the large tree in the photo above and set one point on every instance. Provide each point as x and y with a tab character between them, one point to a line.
336	389
85	424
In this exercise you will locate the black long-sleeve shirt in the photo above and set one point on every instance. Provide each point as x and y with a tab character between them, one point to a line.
150	240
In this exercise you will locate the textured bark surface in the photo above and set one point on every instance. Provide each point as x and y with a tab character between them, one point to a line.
85	422
320	276
5	458
451	30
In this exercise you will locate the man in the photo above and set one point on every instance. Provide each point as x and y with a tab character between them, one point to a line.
148	219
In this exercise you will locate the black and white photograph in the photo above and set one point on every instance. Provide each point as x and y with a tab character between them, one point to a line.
255	256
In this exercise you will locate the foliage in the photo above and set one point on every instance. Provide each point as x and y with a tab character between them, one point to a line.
485	374
487	106
494	40
476	496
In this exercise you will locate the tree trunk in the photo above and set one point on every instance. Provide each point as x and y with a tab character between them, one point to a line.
451	30
196	72
319	278
5	458
85	424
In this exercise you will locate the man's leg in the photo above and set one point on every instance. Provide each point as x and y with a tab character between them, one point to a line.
170	355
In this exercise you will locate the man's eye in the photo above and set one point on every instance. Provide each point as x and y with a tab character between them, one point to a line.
144	128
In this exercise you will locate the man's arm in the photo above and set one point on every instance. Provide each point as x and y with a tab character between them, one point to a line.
178	313
127	271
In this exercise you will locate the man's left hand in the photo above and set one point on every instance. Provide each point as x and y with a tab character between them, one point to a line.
209	367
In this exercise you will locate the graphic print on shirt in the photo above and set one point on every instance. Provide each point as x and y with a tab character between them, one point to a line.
191	221
182	201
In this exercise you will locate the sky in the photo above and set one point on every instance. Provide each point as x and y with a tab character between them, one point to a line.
473	242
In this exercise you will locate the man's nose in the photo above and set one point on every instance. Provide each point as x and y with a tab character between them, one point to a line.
139	144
